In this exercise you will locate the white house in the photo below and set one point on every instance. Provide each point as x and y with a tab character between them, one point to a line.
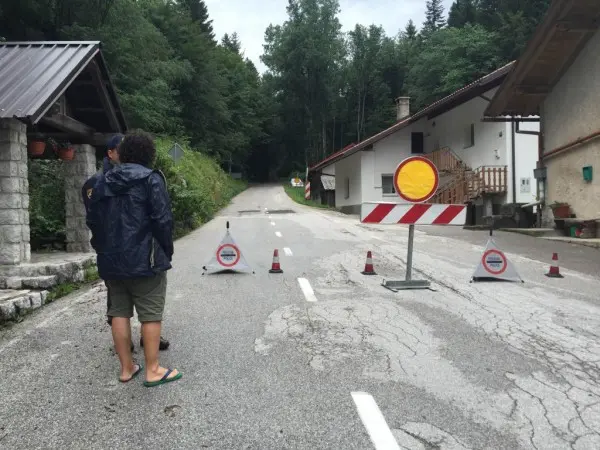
474	158
558	78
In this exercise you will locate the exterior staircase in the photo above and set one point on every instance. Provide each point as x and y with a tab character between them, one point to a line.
461	184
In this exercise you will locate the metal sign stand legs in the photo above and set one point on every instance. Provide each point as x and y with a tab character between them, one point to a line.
408	282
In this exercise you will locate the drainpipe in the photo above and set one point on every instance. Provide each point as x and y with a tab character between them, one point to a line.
513	162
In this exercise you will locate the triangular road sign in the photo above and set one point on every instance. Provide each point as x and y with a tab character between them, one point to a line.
494	265
227	258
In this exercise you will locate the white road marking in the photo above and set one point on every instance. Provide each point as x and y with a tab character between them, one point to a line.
273	223
307	290
278	234
288	251
374	422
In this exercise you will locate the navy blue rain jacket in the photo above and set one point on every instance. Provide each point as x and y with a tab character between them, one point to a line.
131	222
88	186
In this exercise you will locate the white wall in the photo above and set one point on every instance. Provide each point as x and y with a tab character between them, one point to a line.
383	159
493	143
492	148
526	156
449	131
329	170
350	168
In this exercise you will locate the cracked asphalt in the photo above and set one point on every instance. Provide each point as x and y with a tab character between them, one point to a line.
463	366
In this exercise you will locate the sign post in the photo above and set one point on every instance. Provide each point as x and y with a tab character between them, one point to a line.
416	180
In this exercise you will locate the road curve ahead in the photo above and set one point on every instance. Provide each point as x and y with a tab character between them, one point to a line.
320	356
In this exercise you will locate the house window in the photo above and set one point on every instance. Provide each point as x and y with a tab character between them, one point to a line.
387	185
417	143
347	188
470	136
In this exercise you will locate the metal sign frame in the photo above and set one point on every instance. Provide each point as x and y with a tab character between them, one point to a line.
408	282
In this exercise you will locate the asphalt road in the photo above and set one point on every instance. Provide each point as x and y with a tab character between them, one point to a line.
333	361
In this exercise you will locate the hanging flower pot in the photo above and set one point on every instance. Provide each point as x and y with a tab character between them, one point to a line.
66	153
36	147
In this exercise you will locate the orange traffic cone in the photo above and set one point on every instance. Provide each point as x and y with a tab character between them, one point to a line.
369	270
554	271
275	267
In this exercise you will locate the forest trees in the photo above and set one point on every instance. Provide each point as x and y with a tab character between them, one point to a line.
331	88
324	88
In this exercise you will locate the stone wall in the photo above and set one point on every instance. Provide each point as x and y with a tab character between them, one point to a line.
14	193
77	171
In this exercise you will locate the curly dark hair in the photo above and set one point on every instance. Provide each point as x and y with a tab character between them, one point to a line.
137	147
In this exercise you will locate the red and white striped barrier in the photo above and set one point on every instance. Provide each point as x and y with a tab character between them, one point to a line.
413	213
307	191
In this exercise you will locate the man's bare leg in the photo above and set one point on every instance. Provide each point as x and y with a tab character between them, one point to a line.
121	331
151	335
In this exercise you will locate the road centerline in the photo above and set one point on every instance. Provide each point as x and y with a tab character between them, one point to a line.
287	251
373	420
307	290
278	234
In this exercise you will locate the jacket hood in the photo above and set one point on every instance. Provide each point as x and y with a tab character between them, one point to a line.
107	164
124	176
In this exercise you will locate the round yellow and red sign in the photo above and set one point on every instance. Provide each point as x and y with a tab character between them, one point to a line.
416	179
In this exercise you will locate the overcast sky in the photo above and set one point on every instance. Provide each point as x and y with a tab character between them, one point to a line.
250	18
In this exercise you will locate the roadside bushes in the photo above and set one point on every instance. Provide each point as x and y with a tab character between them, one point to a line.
197	185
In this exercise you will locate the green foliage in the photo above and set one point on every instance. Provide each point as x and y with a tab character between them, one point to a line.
329	89
451	58
46	203
323	88
197	185
297	194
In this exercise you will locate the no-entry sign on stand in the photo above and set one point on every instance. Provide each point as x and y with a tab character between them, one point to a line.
227	258
494	265
416	180
228	255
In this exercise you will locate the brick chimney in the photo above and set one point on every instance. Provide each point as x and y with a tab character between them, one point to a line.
402	108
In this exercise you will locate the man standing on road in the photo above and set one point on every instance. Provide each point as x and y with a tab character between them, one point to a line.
132	232
109	161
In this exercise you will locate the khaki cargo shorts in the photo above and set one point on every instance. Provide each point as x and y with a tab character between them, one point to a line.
147	294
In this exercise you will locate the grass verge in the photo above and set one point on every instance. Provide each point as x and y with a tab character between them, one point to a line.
64	289
297	194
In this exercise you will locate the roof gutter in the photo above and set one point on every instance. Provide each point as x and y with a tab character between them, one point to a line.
571	145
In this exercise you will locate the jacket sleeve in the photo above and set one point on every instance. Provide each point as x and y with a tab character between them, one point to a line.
88	185
161	216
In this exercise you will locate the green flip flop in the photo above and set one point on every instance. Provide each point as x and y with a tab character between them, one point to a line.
135	374
164	379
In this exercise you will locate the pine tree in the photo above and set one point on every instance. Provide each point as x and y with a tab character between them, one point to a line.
199	13
461	13
411	30
232	42
434	16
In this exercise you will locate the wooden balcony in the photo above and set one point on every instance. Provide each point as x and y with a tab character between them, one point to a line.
453	192
487	180
467	185
445	160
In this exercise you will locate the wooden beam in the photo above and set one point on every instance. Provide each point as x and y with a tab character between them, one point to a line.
89	109
96	139
579	24
104	96
68	124
532	89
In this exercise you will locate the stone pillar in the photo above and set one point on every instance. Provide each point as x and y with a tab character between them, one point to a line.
77	171
14	193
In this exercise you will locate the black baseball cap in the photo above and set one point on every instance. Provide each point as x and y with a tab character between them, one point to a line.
114	142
